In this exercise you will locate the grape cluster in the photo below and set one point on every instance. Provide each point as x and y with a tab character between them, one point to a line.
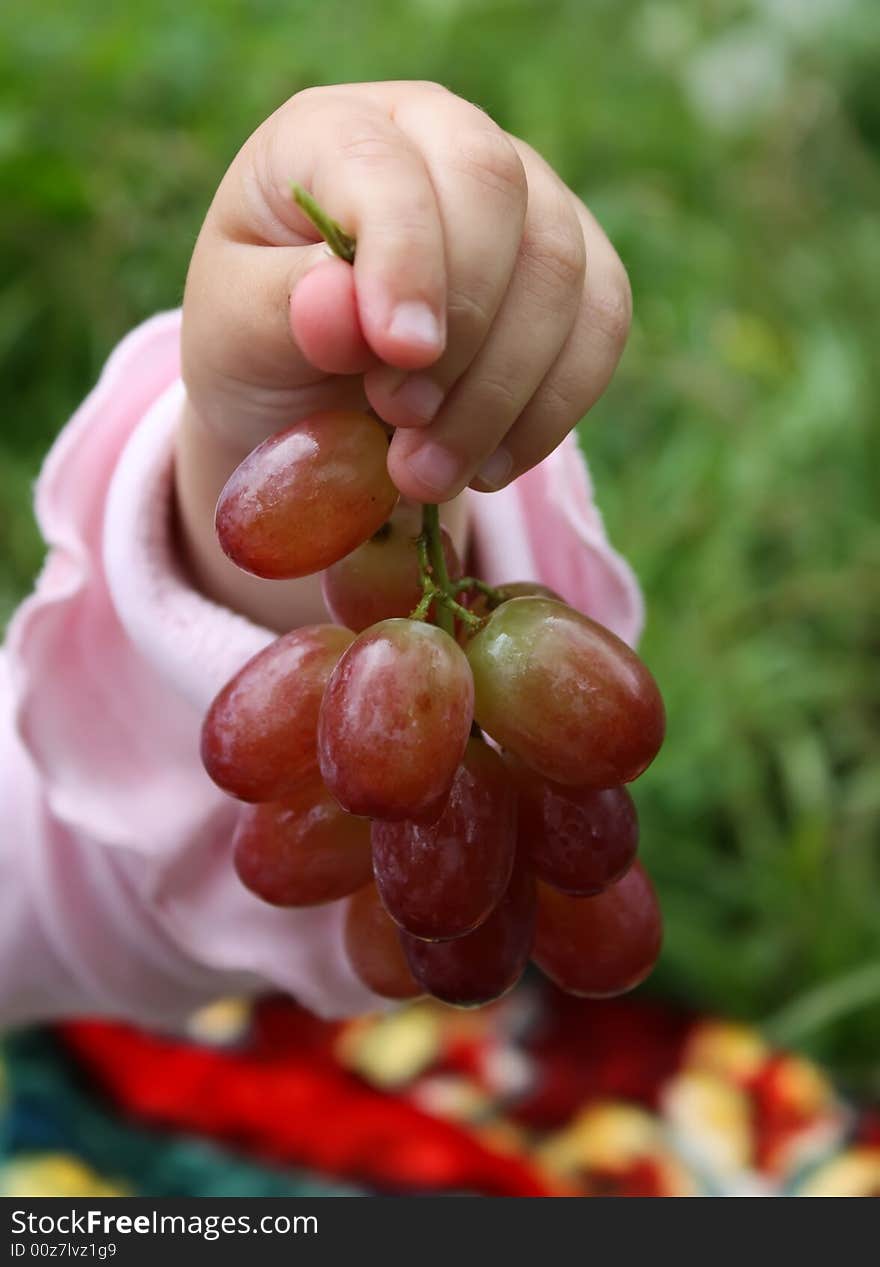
449	757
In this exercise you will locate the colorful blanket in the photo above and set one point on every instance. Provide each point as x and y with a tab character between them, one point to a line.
539	1095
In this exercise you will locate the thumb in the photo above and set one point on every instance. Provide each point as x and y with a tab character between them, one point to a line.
324	319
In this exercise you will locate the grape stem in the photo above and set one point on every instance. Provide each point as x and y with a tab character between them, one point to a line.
436	585
340	242
465	583
437	561
437	588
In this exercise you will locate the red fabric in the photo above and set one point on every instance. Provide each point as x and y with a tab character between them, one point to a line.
868	1130
589	1050
285	1101
778	1116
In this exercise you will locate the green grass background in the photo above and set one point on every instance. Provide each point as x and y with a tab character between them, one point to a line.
731	150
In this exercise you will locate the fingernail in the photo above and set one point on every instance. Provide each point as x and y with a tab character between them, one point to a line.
414	322
496	468
437	467
420	395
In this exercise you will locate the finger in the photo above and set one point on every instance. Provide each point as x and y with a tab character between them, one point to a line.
324	320
586	363
531	327
481	192
372	179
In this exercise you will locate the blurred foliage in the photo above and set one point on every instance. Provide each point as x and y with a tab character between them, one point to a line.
731	149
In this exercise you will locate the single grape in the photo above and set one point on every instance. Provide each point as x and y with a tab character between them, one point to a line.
565	694
381	578
372	946
395	720
307	496
259	739
442	879
599	946
579	840
303	850
486	963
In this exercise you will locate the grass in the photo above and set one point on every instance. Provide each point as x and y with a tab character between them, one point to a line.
732	151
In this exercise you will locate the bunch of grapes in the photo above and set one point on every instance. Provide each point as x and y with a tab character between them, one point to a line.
448	757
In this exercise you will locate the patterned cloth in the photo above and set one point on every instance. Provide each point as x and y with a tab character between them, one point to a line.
537	1095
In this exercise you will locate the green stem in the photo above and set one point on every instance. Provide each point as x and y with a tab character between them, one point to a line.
468	617
494	595
433	546
421	612
431	594
436	553
340	242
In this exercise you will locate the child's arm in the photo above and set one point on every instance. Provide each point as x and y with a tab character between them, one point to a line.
114	845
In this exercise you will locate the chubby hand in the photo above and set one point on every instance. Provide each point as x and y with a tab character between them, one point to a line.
484	315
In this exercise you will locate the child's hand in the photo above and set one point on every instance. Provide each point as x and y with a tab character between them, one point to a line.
484	315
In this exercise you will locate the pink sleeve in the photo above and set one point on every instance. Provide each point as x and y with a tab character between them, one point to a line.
119	895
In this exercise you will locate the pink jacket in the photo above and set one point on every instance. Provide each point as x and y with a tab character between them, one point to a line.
117	895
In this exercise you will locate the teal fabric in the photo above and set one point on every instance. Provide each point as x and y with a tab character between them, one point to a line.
50	1108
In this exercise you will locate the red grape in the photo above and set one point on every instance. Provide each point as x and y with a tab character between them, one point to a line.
565	694
303	850
307	496
580	840
372	945
599	946
395	720
484	964
442	879
259	738
381	578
